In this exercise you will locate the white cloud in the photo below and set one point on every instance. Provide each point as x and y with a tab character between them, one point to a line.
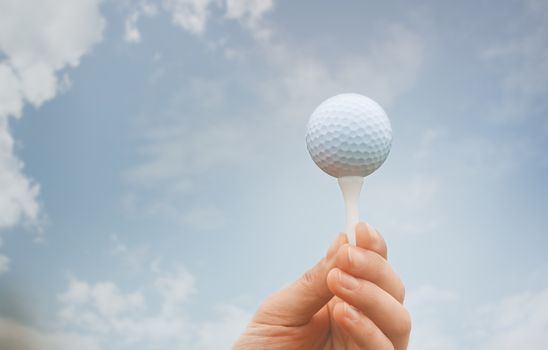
156	316
175	290
191	15
250	13
18	193
194	15
223	331
11	102
56	35
4	264
37	39
4	261
132	32
247	9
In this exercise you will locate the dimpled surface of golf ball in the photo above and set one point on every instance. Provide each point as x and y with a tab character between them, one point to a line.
349	135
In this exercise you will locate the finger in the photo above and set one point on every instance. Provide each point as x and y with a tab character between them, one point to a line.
368	265
296	304
368	238
385	311
361	330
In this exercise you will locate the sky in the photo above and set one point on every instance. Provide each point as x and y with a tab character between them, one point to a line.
155	185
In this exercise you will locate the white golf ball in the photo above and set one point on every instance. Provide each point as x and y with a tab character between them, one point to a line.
349	135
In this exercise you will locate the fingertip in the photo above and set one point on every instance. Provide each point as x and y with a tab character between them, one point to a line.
362	234
332	278
345	314
341	259
339	240
339	312
361	227
361	329
369	238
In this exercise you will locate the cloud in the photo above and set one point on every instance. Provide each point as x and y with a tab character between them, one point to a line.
132	32
4	261
518	321
523	87
429	331
18	194
135	259
4	264
386	66
250	14
156	315
247	10
38	39
193	16
221	332
178	150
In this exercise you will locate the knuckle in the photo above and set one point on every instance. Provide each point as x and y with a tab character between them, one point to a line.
403	325
379	244
369	329
378	269
342	256
308	278
381	247
401	296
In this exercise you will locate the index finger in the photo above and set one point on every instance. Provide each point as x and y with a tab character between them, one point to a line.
368	238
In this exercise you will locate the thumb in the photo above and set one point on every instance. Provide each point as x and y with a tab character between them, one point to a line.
296	304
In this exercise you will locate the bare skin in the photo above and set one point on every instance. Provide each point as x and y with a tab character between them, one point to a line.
351	299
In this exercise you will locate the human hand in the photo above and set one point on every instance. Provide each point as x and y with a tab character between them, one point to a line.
351	299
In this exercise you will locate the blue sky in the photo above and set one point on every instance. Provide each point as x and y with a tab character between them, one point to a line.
155	184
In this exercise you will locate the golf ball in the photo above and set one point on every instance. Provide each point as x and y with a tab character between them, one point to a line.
349	135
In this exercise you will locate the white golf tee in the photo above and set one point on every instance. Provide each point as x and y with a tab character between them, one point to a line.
351	187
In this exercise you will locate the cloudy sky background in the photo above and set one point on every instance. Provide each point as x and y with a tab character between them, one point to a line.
155	186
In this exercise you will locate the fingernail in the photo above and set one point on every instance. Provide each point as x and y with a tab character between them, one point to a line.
371	230
351	255
348	282
351	313
334	246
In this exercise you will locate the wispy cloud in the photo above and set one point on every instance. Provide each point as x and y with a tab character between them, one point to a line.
132	32
515	321
181	148
193	16
522	88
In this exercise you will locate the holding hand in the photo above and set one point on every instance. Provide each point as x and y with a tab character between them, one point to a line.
351	299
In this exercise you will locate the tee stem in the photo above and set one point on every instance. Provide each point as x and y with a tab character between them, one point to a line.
351	187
